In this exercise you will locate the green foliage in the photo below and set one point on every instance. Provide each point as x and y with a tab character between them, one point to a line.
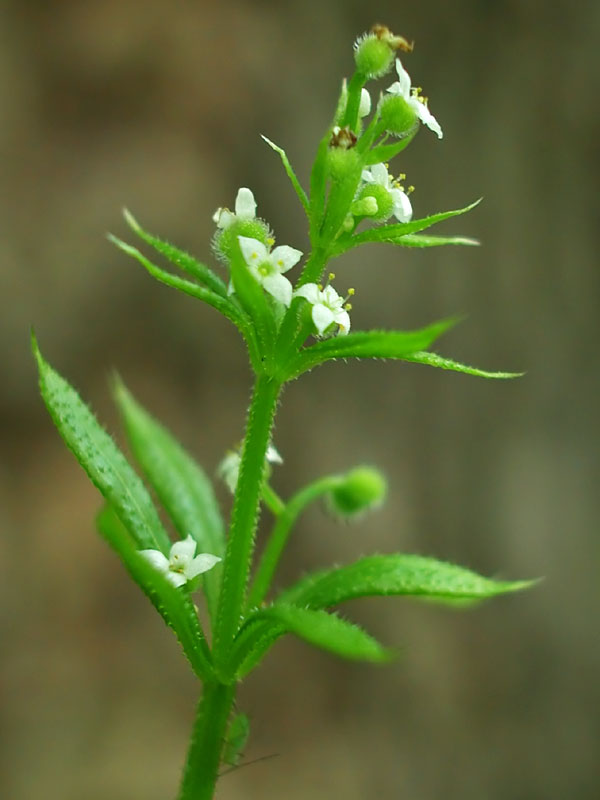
100	457
174	605
180	483
397	574
352	197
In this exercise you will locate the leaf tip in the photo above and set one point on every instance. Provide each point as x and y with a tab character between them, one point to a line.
131	220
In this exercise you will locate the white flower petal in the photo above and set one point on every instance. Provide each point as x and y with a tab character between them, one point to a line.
284	257
403	79
364	108
229	470
366	176
428	119
176	578
158	560
310	292
322	317
273	456
331	298
202	563
254	252
279	287
402	205
342	318
380	174
245	204
182	552
223	217
395	88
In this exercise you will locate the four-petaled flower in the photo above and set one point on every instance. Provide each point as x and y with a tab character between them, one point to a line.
327	307
267	267
245	208
403	88
181	566
379	174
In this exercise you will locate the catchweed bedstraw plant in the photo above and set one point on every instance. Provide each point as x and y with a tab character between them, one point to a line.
291	322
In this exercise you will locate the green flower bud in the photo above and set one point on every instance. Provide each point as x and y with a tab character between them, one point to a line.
341	162
397	115
362	488
383	198
226	238
374	52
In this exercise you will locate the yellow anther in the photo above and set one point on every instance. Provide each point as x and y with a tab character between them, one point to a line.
410	190
402	176
320	287
350	292
348	306
331	276
270	241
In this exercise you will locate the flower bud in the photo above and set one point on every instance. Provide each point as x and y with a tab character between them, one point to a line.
383	200
341	162
397	115
362	488
374	52
226	238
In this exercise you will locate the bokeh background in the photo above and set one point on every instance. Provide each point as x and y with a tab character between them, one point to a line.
158	105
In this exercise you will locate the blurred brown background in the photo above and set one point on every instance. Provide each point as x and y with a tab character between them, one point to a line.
158	106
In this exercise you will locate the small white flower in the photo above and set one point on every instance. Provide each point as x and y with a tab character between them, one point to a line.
245	208
327	307
229	468
403	88
267	267
181	566
379	174
364	109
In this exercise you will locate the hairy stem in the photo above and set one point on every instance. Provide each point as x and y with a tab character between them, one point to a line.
244	517
204	754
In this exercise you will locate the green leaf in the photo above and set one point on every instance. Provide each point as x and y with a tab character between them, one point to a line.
222	304
383	153
178	257
397	574
414	240
236	739
434	360
327	631
173	604
254	302
368	344
180	483
104	463
400	233
251	644
290	173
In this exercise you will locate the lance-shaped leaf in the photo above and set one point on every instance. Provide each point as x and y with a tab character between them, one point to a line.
416	240
181	484
173	604
317	627
434	360
397	574
100	457
401	233
290	173
178	257
368	344
252	298
222	304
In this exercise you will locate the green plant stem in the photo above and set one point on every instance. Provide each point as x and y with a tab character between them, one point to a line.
244	517
314	267
272	500
204	755
280	535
